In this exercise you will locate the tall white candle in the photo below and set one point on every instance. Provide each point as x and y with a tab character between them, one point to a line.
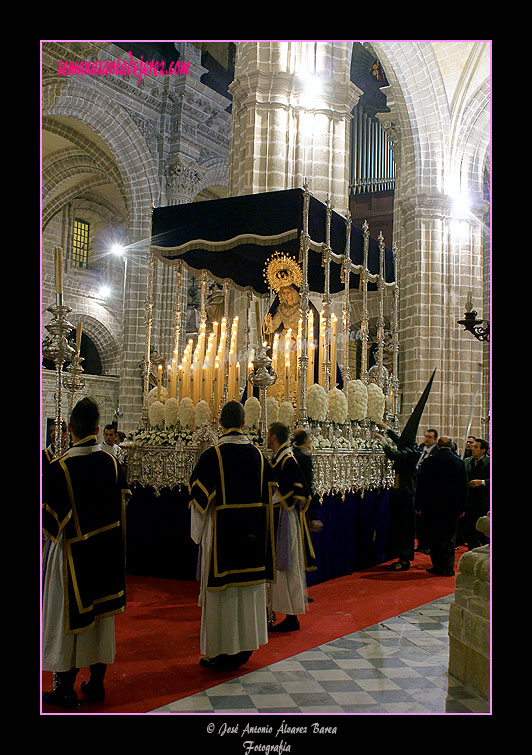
159	381
287	376
334	324
310	348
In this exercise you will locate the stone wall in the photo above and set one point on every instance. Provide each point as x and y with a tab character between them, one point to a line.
102	388
469	619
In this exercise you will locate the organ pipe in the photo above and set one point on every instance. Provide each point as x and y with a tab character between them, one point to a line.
372	164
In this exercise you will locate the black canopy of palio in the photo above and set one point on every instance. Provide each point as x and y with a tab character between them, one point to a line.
233	238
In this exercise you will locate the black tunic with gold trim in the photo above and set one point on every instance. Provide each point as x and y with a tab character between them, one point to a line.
84	503
293	494
238	481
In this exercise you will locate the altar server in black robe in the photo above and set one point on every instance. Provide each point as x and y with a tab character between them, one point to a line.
293	545
49	451
301	450
84	585
441	495
405	458
231	490
48	454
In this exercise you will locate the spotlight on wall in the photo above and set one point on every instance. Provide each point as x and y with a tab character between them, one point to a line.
118	249
471	323
104	292
461	205
312	88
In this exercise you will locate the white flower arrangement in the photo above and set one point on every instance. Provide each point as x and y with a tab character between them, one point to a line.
152	395
185	412
319	442
202	413
157	436
357	400
156	414
252	412
337	406
160	438
317	403
286	414
170	412
376	403
272	409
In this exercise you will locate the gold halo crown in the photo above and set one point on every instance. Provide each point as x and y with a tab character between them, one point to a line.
281	270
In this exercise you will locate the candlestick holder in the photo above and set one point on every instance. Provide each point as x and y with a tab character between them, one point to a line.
262	378
57	349
72	379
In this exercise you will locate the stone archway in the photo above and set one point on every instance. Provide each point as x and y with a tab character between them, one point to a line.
117	129
120	150
103	339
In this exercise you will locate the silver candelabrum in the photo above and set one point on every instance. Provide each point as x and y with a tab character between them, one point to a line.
262	377
72	379
57	349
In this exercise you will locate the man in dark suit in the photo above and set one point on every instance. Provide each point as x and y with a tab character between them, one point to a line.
468	446
426	448
441	495
478	499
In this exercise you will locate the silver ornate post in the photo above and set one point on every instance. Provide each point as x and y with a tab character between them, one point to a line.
365	319
326	262
225	392
304	304
72	379
152	263
203	297
380	327
262	377
395	341
178	308
346	321
57	348
178	319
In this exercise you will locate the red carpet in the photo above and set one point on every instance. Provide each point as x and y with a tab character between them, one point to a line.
157	637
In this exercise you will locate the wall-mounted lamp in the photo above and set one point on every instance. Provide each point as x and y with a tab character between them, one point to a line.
471	323
104	292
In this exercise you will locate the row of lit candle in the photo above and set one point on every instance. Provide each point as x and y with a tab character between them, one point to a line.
283	359
202	371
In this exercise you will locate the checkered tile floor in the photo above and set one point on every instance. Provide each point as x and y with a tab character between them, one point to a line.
396	666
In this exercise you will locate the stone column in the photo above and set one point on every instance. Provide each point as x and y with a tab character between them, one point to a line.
469	618
440	260
292	104
134	332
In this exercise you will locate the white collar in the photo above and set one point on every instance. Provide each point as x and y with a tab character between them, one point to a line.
239	439
82	450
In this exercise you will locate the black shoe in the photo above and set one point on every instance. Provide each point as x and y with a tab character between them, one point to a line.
93	692
60	698
289	624
209	663
398	566
220	663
